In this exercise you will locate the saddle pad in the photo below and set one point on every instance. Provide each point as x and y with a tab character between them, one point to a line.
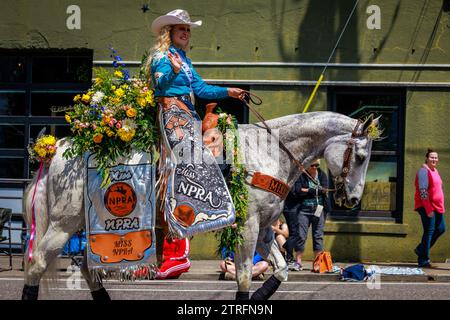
120	219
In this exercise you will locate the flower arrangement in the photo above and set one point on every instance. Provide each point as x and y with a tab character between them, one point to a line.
230	237
116	115
43	150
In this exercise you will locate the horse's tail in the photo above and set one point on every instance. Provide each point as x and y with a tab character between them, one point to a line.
39	190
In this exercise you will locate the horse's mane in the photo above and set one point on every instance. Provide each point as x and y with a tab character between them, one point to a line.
323	116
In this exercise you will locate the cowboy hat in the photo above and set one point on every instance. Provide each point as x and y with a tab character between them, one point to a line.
177	16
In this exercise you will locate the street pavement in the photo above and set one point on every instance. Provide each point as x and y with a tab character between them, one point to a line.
180	290
202	283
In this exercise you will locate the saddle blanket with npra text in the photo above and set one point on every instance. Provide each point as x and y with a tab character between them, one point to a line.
120	217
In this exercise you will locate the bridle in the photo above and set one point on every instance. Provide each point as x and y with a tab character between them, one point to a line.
338	180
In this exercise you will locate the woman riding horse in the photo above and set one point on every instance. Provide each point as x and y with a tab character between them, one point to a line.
175	82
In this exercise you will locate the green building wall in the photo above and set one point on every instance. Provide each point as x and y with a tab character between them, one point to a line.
255	31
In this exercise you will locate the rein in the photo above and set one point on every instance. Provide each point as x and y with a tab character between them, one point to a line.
298	164
338	180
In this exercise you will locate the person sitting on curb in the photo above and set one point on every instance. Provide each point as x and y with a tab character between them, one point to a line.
281	231
229	269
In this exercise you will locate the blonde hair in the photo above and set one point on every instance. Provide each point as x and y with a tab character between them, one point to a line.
163	43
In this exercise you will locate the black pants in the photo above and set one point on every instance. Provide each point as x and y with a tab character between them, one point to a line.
294	237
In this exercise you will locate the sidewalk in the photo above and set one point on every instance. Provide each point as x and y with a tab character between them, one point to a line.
208	270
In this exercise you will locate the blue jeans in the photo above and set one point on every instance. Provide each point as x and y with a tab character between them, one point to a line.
317	224
433	228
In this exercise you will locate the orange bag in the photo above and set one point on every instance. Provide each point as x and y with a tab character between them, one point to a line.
323	263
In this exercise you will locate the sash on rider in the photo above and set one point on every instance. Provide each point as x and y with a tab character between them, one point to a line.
120	219
194	193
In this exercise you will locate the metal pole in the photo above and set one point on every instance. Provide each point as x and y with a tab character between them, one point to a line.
311	97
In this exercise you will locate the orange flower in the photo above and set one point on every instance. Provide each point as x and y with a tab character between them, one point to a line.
98	137
131	113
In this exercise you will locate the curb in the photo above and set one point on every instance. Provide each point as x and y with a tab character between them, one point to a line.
293	277
313	277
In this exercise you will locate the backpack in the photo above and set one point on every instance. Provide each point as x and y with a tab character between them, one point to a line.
75	245
356	272
323	263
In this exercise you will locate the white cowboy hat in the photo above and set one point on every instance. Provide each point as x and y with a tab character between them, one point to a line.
177	16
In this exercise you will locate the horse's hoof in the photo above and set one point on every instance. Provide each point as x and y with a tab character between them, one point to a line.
242	295
267	290
100	295
30	292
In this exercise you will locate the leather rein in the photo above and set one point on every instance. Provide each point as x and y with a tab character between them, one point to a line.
347	154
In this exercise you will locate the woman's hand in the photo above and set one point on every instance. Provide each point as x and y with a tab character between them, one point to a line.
237	93
175	61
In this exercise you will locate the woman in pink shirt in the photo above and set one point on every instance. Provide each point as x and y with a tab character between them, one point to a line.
429	202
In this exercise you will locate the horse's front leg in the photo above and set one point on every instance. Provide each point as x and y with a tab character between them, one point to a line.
267	247
244	257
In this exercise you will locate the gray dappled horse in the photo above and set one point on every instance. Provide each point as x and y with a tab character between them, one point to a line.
308	136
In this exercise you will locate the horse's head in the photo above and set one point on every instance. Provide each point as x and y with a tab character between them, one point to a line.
348	157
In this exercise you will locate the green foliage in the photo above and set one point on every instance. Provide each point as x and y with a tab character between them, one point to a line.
231	237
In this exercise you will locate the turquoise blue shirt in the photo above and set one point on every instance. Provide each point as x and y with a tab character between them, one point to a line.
169	84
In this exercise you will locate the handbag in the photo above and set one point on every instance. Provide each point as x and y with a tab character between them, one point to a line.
323	263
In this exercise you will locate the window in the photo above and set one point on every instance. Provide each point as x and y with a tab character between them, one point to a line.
31	82
383	191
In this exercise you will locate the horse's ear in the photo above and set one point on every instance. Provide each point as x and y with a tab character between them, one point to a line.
376	121
367	123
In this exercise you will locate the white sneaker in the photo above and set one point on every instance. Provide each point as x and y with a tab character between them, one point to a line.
295	266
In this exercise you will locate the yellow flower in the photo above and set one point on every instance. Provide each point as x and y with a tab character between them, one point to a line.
47	140
126	135
113	87
109	132
98	81
86	98
40	151
119	92
131	113
68	120
141	101
149	99
98	138
118	74
115	100
77	98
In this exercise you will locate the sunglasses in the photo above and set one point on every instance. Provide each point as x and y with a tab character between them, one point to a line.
315	165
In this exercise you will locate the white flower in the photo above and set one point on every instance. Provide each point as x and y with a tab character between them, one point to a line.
97	97
222	115
128	124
